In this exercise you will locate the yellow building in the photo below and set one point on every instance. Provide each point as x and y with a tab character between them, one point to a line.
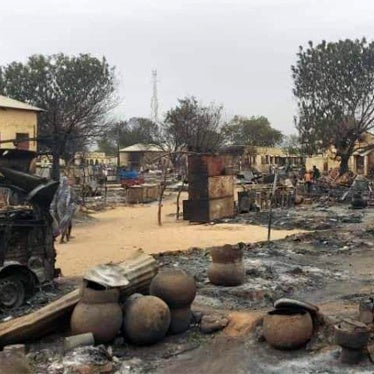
94	158
361	162
263	159
18	121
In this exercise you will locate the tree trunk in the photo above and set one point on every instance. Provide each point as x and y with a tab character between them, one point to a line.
55	173
162	190
343	168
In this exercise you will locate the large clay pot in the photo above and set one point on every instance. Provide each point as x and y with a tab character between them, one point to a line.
287	328
146	320
98	312
180	320
178	289
227	268
228	275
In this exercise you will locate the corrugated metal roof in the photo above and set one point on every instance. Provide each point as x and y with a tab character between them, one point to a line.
364	152
7	102
141	148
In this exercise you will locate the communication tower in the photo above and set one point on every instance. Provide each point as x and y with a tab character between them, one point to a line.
154	100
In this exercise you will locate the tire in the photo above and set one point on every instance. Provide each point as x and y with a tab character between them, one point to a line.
12	292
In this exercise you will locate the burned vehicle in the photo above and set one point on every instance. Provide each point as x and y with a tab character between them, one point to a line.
27	253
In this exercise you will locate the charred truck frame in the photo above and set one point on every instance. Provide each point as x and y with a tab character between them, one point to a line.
27	253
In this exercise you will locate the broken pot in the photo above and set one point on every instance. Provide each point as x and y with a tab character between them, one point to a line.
98	312
366	311
227	268
287	328
353	337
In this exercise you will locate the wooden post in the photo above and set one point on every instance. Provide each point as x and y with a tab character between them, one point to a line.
162	190
272	193
179	195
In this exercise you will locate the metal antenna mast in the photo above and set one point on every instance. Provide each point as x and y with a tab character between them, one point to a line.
154	100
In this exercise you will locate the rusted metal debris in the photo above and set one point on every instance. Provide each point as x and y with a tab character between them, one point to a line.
210	191
27	253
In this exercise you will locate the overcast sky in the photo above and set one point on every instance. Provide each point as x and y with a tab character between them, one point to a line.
232	52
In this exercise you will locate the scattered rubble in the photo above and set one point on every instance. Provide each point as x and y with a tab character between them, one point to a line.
46	294
315	266
319	218
212	323
273	270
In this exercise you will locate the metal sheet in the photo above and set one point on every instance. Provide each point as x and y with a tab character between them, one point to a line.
17	159
208	165
140	267
208	210
211	187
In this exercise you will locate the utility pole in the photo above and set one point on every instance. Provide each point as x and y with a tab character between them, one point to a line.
154	99
118	145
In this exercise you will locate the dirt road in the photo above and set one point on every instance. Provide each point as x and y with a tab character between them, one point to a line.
116	233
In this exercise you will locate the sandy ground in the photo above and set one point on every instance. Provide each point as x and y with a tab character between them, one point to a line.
116	233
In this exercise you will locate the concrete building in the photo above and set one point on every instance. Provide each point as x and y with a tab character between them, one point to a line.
140	155
361	162
244	157
18	121
95	158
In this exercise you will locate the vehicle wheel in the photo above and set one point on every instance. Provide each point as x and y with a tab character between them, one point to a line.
12	292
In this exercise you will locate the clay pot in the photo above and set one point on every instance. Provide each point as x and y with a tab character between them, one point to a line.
146	320
180	320
226	274
227	268
298	199
176	287
226	254
354	339
287	328
98	312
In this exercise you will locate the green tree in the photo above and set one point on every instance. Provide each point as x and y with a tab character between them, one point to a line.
334	88
77	92
125	133
193	127
253	131
292	145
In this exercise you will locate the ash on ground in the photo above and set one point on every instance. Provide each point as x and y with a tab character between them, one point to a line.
44	295
312	265
318	217
329	266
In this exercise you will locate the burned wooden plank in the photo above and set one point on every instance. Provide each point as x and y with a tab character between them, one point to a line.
38	323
